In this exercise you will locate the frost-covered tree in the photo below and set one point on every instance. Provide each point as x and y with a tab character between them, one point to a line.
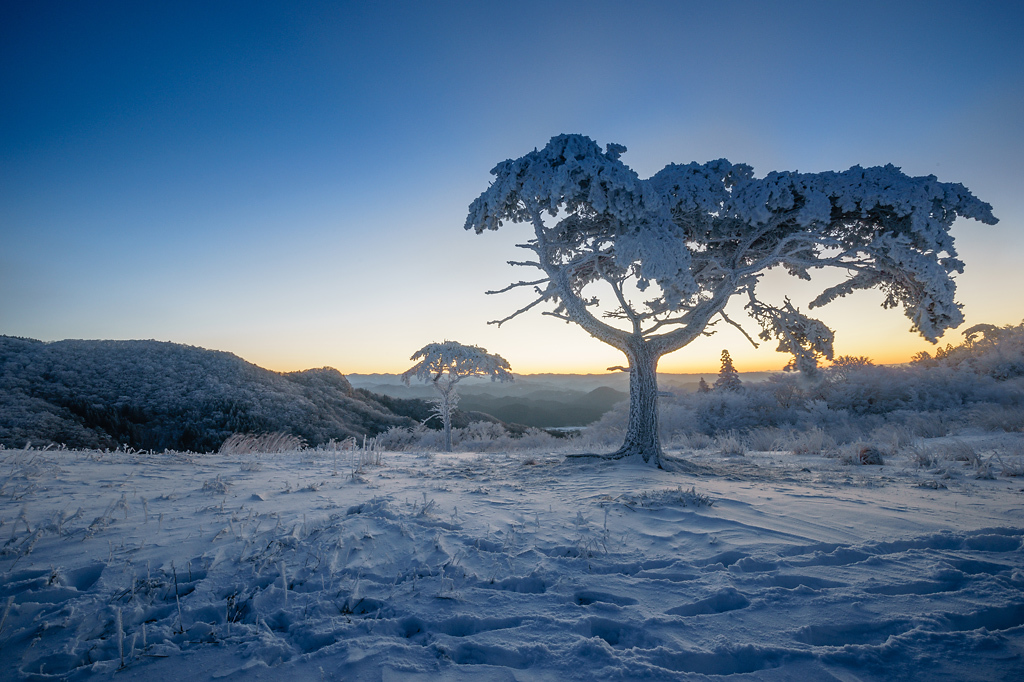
443	365
845	365
645	265
728	377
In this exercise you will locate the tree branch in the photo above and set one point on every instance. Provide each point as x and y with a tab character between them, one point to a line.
617	288
576	308
510	287
742	330
520	311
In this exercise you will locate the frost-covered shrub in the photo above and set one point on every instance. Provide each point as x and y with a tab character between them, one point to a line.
997	352
998	417
767	438
1012	462
730	444
535	439
609	429
659	499
894	436
216	485
482	431
960	451
478	436
691	441
870	390
921	456
813	441
931	424
400	438
722	411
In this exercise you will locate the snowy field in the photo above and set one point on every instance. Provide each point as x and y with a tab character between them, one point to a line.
309	566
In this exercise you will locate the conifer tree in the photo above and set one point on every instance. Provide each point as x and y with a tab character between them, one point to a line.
728	377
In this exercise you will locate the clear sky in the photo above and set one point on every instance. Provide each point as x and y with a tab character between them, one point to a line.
289	181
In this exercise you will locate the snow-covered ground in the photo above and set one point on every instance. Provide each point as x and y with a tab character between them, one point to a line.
511	567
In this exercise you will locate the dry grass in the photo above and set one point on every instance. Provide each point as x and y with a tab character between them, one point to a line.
811	442
247	443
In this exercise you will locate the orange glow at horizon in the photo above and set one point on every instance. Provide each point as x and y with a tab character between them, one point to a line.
675	363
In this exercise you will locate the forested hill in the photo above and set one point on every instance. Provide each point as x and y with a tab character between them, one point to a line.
157	395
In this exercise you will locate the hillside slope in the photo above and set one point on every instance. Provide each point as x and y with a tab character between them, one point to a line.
156	395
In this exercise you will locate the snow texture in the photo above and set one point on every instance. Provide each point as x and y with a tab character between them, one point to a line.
294	565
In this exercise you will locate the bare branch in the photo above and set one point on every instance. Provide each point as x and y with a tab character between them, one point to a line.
520	311
510	287
617	288
742	330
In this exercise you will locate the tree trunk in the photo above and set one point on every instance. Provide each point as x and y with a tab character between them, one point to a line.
642	430
446	406
447	431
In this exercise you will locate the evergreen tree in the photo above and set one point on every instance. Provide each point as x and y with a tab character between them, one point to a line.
728	377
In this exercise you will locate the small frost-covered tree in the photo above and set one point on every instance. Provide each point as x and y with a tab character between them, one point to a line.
443	365
646	265
728	377
843	366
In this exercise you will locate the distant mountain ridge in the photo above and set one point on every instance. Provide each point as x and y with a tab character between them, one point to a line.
550	401
391	384
539	400
160	395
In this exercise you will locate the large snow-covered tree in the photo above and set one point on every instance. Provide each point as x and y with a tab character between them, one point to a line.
645	265
443	365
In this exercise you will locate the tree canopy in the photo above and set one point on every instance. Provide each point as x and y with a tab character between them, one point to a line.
454	360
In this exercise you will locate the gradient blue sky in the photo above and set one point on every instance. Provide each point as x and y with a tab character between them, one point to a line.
289	181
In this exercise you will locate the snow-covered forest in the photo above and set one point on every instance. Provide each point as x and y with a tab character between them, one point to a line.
865	525
151	395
